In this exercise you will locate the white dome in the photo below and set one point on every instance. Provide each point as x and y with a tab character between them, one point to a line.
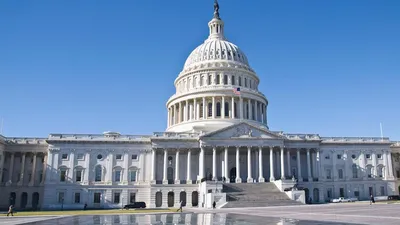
214	49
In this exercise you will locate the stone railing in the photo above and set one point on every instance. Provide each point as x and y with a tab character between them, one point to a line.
98	137
302	136
21	140
175	135
355	140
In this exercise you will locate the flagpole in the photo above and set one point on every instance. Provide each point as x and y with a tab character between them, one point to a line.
381	130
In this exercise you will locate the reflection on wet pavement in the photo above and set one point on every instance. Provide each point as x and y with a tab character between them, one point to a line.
176	219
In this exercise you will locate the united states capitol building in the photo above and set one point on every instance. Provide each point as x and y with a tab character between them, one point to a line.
217	134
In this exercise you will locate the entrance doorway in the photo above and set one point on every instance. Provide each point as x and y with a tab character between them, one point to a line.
232	175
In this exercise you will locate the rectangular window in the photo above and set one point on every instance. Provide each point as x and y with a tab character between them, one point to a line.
340	173
371	191
217	79
96	197
116	197
134	157
382	191
132	175
240	81
368	156
132	198
339	156
78	177
328	174
233	80
245	82
77	198
63	174
80	156
64	156
357	194
379	156
341	192
118	157
60	197
329	193
118	176
209	79
225	79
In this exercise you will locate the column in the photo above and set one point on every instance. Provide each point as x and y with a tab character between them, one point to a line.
271	164
177	177
32	181
204	108
227	178
126	169
262	113
374	171
213	107
44	169
389	156
289	169
55	161
309	166
153	166
299	177
241	108
175	116
214	163
282	164
333	166
189	167
260	166
255	110
186	111
233	108
169	118
165	178
318	165
87	168
385	163
71	165
195	107
238	179
223	107
249	176
201	163
250	117
21	178
180	112
362	165
110	167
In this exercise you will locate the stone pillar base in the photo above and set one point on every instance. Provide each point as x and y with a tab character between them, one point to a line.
165	181
261	179
272	179
310	179
177	182
238	180
189	182
300	179
250	180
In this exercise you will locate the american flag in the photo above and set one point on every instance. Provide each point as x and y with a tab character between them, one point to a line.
236	91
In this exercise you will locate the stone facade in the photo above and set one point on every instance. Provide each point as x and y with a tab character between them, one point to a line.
216	130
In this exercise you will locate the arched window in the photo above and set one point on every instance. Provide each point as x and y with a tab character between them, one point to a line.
117	174
240	81
225	79
247	111
63	174
194	82
355	171
369	171
380	171
218	109
98	173
209	109
132	174
235	110
201	81
78	174
201	110
209	79
226	109
217	79
250	83
233	80
245	82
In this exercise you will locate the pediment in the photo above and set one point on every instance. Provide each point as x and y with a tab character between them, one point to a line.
243	130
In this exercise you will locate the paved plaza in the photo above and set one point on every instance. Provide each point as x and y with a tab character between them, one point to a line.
356	213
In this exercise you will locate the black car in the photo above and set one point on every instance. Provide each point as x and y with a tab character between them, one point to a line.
136	205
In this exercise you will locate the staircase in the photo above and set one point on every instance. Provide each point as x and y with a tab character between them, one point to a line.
255	195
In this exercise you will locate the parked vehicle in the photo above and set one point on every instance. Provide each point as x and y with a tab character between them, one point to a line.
341	199
136	205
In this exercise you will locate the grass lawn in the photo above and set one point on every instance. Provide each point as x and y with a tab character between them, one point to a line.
90	212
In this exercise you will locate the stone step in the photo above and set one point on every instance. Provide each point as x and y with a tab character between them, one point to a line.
255	195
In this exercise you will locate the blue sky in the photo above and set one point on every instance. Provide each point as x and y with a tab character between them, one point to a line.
327	67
